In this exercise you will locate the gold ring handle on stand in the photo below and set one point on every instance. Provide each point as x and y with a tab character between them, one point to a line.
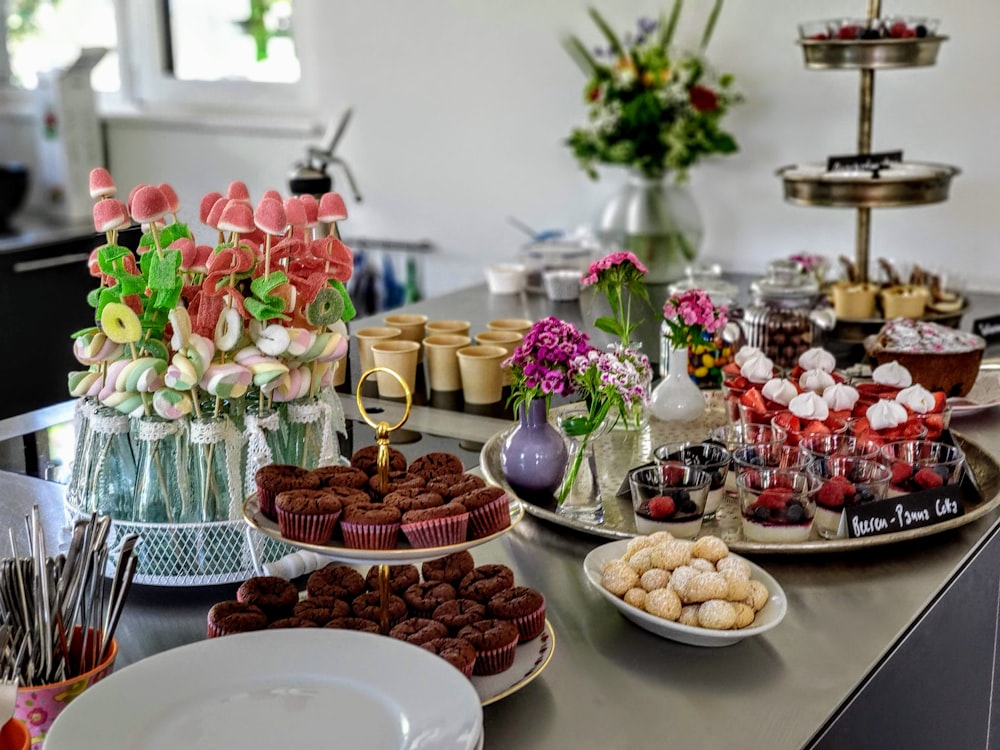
382	430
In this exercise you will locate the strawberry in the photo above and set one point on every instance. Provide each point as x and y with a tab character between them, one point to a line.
912	430
926	478
775	498
940	401
901	471
816	427
849	32
898	30
789	421
934	424
661	506
754	401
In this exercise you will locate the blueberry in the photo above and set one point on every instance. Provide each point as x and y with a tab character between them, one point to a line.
761	513
944	472
921	30
870	34
717	480
795	513
752	457
864	495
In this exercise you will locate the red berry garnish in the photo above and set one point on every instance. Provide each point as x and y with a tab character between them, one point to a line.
926	478
898	30
661	506
901	472
775	498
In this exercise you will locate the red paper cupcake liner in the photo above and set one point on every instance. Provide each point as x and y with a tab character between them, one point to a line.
437	532
316	528
490	518
370	536
530	625
495	660
265	500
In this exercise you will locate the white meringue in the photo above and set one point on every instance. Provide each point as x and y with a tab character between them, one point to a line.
744	353
816	380
916	398
809	405
757	369
817	358
885	414
892	374
779	390
841	397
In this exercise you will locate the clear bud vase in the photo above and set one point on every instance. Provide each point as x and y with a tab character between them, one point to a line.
110	480
306	433
262	441
162	493
214	471
76	490
579	494
676	398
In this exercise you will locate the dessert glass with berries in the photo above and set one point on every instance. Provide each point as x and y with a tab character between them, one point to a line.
669	497
916	465
846	481
777	505
827	446
767	456
710	457
799	428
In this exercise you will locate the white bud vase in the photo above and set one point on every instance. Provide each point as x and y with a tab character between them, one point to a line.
677	398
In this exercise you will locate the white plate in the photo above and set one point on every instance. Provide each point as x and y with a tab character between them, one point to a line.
298	688
529	659
985	394
772	613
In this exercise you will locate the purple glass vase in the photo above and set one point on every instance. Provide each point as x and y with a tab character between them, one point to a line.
533	455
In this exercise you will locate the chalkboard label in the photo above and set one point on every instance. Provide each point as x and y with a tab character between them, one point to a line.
905	512
863	162
988	328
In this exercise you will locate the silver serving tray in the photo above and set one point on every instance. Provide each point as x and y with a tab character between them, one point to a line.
619	520
865	192
838	54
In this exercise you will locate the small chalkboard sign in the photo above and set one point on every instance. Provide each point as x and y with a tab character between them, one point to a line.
988	328
864	162
905	512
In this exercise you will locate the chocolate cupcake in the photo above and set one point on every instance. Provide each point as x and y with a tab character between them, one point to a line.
436	464
341	476
275	596
450	568
460	654
370	526
321	609
368	606
397	480
366	459
349	495
423	598
336	581
485	581
307	515
495	642
292	622
450	486
523	606
436	527
458	613
419	630
352	623
401	577
275	478
489	511
235	617
413	498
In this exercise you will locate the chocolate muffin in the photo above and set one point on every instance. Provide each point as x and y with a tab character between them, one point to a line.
495	642
413	498
235	617
450	568
401	577
523	606
483	582
292	622
436	527
352	623
366	459
489	511
341	476
322	609
436	464
458	613
397	480
307	515
335	581
450	486
368	606
350	495
275	478
275	596
370	526
423	598
419	630
460	654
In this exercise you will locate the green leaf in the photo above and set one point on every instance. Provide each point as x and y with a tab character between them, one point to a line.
581	56
667	29
608	325
576	425
609	33
713	17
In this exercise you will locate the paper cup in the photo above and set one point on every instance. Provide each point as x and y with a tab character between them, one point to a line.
400	356
368	336
411	326
509	340
441	360
459	327
482	378
520	325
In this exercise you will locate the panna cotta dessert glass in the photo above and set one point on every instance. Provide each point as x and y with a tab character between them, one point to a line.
916	465
777	506
737	435
808	414
768	456
669	496
827	446
710	457
845	481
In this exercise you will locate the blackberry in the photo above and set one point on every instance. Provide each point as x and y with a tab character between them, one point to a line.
870	34
761	513
921	30
795	513
864	495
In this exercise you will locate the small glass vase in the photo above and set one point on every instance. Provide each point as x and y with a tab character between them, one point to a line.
637	414
533	455
109	482
676	398
76	490
305	430
161	490
656	219
579	494
214	471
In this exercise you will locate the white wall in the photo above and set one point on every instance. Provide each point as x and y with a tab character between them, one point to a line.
461	107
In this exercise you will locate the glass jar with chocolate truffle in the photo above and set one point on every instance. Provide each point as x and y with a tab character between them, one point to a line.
787	313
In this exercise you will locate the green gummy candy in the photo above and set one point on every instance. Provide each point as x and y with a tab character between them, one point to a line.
326	309
349	311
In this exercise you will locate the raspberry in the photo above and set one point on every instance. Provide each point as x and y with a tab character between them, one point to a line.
661	506
775	498
835	492
901	472
927	478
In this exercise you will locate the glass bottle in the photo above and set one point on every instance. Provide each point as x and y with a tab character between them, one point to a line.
110	481
161	491
214	471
